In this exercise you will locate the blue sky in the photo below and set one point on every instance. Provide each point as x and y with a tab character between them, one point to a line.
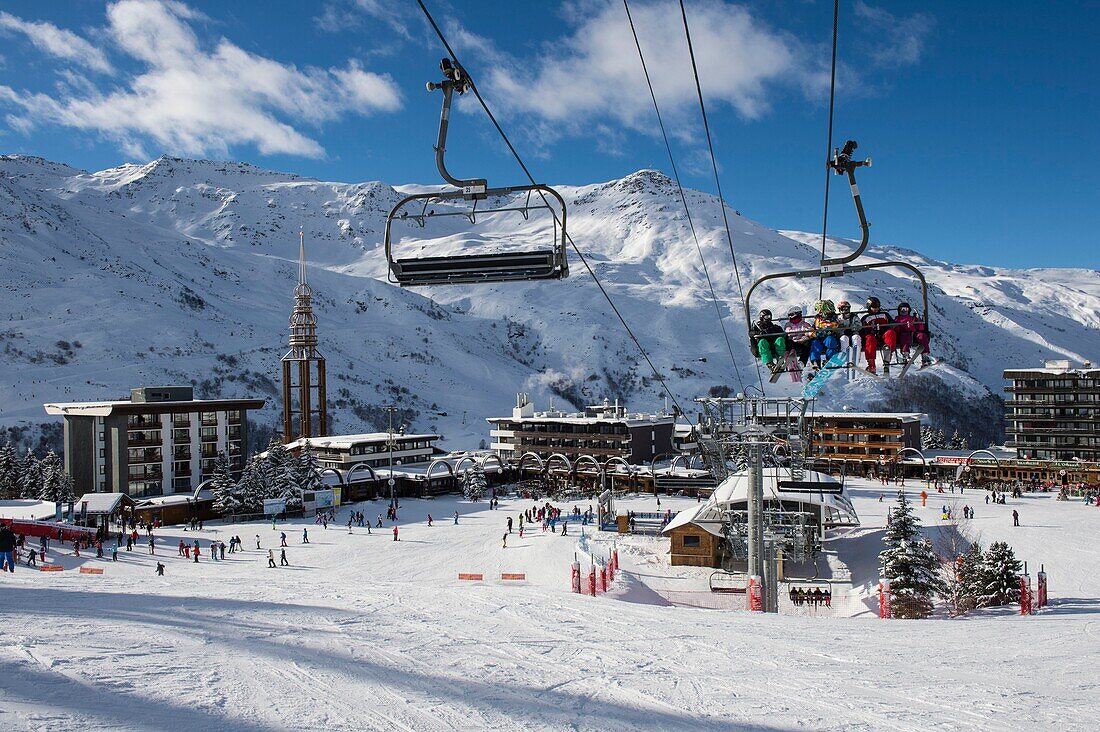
982	120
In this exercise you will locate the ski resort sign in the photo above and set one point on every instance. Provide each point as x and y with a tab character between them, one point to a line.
274	506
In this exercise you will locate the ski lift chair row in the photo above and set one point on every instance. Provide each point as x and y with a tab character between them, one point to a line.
842	164
544	263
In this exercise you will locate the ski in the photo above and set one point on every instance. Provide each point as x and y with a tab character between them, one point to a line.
910	361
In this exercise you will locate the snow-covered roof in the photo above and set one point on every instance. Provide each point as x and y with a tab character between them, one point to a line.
903	416
687	516
562	418
102	503
105	409
346	442
733	491
175	499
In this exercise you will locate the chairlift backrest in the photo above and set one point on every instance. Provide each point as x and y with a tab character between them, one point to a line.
474	200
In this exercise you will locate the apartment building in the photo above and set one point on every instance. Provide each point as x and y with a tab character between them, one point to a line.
1053	413
160	441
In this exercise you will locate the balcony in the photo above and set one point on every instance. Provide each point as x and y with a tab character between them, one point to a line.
139	439
148	455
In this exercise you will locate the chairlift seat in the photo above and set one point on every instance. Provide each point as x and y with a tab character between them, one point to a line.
477	268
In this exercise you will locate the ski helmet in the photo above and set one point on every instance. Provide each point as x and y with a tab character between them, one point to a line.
765	314
904	306
872	302
824	307
794	312
844	305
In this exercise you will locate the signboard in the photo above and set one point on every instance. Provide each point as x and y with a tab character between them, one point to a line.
323	499
274	506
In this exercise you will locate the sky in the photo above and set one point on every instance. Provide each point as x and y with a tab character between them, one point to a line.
981	119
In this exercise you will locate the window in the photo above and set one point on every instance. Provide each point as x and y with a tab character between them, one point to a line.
691	541
181	435
209	434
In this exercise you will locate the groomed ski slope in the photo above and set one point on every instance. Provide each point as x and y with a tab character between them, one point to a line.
366	633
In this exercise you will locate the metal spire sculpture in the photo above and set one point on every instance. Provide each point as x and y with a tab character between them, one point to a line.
305	411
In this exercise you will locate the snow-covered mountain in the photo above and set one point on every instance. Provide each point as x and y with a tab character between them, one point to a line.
181	271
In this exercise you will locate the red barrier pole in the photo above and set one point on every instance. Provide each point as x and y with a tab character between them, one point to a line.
575	580
884	608
603	579
592	581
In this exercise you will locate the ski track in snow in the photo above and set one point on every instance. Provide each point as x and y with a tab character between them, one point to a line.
366	633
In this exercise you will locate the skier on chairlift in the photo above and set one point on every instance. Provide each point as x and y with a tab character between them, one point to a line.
799	334
878	331
850	328
911	330
825	344
768	343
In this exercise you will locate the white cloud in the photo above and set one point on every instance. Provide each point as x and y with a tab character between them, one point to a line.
594	73
57	42
197	101
900	40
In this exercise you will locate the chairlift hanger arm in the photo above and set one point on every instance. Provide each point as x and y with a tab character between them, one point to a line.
842	164
454	79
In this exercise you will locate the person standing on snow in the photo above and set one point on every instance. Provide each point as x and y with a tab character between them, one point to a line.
271	558
395	532
282	538
282	558
7	549
257	541
160	569
429	519
456	518
504	542
1015	517
305	533
509	524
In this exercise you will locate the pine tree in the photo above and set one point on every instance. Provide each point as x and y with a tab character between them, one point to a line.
250	488
474	483
10	470
227	499
910	563
31	477
967	576
279	478
307	471
57	485
957	442
1000	581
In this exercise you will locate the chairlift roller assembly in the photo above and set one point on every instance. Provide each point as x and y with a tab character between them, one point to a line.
476	199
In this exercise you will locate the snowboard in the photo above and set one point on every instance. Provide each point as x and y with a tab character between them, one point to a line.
836	363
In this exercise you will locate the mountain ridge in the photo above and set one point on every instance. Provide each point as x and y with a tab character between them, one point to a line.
182	270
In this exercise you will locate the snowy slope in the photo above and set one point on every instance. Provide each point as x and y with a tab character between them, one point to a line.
362	632
182	270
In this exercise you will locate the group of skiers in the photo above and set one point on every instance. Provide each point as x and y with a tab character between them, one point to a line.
837	328
814	597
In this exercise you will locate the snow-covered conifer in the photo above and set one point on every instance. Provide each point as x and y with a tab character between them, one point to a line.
474	483
1000	581
9	472
227	499
910	563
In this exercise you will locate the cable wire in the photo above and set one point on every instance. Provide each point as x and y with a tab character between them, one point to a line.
683	198
714	166
584	260
828	151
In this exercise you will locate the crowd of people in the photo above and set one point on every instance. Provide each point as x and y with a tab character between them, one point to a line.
837	328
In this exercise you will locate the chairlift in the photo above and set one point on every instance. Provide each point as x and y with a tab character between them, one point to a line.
473	201
842	163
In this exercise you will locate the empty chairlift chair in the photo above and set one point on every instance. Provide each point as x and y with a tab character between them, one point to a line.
463	253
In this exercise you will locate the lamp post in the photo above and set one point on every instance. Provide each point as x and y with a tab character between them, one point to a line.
390	409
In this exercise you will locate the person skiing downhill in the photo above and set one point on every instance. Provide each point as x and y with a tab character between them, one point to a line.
768	341
877	331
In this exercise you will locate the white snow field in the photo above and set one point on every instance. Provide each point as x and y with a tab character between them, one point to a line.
362	632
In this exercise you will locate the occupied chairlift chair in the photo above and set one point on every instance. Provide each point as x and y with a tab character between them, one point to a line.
548	263
843	164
